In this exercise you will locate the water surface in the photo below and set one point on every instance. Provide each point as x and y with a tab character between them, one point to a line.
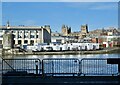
66	56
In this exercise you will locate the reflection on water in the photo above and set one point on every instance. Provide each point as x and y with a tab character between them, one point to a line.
66	56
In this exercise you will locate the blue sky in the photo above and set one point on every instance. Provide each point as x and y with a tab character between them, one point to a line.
55	14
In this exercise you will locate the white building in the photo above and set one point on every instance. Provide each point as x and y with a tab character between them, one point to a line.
65	47
62	39
27	34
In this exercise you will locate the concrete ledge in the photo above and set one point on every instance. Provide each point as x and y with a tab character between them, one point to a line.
110	50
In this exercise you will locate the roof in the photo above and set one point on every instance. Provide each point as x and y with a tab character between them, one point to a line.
21	27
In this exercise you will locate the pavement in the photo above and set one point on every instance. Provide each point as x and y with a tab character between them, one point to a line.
83	80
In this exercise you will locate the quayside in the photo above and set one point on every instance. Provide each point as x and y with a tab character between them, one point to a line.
65	71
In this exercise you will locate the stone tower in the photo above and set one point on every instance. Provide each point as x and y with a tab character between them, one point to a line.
66	30
84	28
8	41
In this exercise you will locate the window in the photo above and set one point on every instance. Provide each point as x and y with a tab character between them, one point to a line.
32	36
25	41
20	31
26	31
36	36
25	36
19	41
19	36
37	31
32	42
0	41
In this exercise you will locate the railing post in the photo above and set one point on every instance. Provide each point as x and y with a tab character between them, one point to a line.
2	66
52	68
42	68
80	68
36	63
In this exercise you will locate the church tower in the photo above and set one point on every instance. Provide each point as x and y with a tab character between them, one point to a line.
66	30
84	28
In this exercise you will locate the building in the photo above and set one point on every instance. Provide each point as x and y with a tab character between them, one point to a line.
107	37
60	38
84	28
66	30
63	39
27	34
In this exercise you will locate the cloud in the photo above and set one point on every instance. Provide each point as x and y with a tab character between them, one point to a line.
94	5
60	0
104	6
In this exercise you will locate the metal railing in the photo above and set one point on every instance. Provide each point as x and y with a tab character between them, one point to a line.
97	66
61	66
28	65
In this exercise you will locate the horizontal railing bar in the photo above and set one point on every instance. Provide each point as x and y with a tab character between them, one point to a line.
61	73
23	59
22	69
60	59
93	59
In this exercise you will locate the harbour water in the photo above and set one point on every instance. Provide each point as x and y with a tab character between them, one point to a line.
116	55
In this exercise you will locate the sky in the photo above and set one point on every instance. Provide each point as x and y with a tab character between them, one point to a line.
73	14
60	0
